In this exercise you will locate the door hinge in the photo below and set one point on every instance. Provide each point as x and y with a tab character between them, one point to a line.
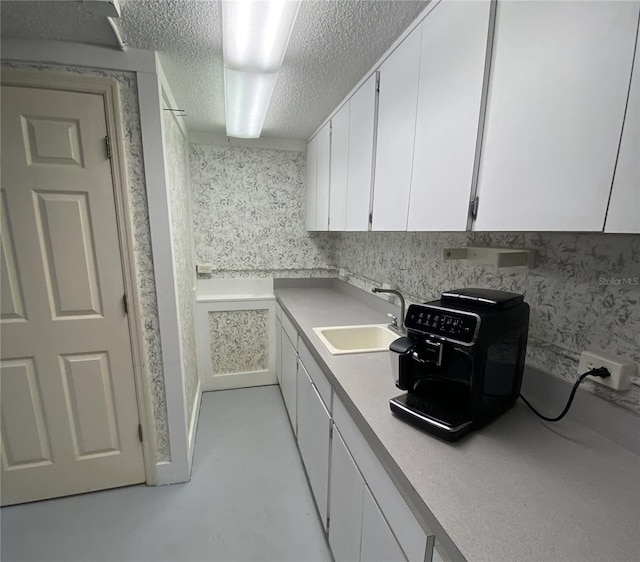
140	433
125	303
473	208
108	145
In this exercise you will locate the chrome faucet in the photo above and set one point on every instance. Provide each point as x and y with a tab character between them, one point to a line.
394	324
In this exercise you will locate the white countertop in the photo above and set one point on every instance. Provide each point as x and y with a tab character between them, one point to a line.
518	489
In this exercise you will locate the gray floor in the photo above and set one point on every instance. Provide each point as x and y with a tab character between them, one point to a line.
248	499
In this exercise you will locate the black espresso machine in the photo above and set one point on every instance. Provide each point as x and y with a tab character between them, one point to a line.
462	360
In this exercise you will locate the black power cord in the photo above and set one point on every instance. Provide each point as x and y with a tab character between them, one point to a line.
599	372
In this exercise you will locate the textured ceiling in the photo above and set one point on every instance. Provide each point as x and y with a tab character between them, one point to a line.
333	44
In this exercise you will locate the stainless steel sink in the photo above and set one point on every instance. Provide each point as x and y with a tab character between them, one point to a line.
340	340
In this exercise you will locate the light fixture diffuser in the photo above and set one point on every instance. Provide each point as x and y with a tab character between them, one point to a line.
255	33
247	97
255	38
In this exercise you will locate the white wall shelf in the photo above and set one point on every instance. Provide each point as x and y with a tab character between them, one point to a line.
497	257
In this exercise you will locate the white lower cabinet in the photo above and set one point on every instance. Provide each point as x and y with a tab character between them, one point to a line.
288	377
366	517
314	435
345	515
358	530
378	543
278	350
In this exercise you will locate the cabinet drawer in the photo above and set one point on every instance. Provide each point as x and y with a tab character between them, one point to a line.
415	543
316	374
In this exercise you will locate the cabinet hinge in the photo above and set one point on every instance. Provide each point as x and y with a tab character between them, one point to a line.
331	432
107	143
473	208
125	303
371	218
378	82
140	433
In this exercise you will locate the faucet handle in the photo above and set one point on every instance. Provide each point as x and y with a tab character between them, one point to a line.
394	319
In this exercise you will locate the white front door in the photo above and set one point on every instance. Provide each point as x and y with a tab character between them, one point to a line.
69	409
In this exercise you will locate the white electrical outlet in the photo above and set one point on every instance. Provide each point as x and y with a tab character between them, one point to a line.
621	370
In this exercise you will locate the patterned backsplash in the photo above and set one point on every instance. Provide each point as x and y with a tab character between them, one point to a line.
584	292
248	214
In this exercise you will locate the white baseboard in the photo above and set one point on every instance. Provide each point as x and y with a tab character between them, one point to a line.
238	380
172	472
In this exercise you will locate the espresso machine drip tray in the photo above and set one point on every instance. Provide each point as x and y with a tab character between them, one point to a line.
438	419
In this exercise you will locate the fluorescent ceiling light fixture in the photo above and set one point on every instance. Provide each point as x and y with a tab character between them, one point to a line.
255	33
247	96
255	37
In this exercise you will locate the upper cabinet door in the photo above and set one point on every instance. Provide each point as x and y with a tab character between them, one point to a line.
624	206
398	98
558	87
339	168
362	127
323	176
452	69
310	180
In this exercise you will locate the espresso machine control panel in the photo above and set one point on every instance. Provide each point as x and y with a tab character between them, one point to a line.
455	325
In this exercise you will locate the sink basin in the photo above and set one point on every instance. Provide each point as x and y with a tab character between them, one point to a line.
341	340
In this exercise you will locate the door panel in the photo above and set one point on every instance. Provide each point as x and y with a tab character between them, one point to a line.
10	292
66	239
88	381
24	435
52	141
69	408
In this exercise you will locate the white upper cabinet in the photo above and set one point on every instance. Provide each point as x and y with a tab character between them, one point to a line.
558	87
323	176
362	129
397	102
624	206
339	168
317	180
452	68
310	183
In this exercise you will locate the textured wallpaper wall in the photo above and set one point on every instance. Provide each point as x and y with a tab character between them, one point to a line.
177	155
137	192
584	292
248	214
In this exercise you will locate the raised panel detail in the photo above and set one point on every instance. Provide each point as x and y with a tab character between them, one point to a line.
25	442
52	141
90	404
239	341
67	244
12	307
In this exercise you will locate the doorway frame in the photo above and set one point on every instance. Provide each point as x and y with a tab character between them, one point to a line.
107	88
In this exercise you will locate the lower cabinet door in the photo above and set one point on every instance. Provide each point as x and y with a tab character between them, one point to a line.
345	503
378	543
279	351
288	377
314	436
